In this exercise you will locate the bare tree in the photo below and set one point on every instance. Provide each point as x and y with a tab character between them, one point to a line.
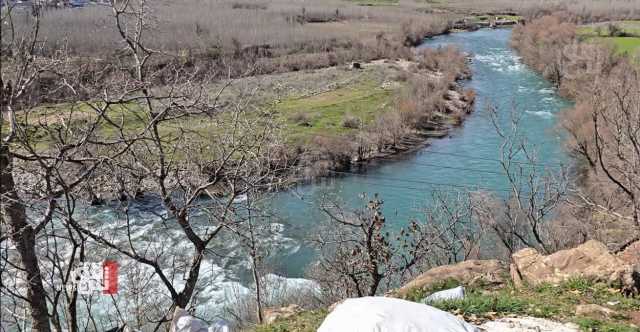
134	138
17	84
254	234
605	132
521	217
450	223
358	254
361	255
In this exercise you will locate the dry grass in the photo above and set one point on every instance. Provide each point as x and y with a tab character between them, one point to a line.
244	38
211	24
215	38
583	10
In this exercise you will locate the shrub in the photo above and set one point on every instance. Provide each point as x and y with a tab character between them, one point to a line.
542	44
447	60
615	31
351	122
301	119
415	31
249	5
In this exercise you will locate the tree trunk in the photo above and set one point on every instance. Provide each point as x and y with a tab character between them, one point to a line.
194	272
256	279
373	287
22	235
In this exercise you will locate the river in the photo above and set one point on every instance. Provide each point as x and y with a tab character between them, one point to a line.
467	157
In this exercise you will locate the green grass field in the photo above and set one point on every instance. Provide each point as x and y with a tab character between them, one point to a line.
328	112
42	123
335	112
624	45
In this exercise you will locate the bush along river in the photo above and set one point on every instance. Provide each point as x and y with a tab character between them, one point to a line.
467	158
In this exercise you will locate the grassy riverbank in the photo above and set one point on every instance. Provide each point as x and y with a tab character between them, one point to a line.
323	115
557	302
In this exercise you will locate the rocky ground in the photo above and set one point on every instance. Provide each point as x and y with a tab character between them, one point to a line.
586	288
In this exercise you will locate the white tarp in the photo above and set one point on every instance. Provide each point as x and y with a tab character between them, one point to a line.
183	322
383	314
446	295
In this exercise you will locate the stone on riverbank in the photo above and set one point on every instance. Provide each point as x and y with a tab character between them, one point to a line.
594	311
527	324
591	260
471	272
272	314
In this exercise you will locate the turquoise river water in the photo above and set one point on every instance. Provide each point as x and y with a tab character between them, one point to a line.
466	158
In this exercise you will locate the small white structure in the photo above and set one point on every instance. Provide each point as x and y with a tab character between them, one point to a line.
446	295
383	314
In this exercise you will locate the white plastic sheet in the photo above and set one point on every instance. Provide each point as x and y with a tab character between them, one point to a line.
382	314
183	322
445	295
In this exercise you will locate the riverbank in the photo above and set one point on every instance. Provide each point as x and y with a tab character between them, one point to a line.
285	37
329	119
602	127
354	128
370	110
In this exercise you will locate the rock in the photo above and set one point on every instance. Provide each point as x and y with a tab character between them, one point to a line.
503	22
456	103
631	253
390	85
96	200
484	272
590	260
634	317
273	314
527	324
452	107
594	311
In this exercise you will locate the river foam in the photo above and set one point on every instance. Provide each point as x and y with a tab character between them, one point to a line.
542	114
